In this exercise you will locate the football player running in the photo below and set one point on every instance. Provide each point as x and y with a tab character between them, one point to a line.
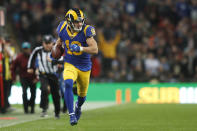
77	37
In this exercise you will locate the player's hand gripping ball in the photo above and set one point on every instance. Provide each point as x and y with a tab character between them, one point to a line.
57	51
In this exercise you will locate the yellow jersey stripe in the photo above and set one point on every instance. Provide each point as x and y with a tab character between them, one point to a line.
70	34
63	26
86	29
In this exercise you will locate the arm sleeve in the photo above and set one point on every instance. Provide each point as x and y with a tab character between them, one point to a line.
60	28
90	32
32	57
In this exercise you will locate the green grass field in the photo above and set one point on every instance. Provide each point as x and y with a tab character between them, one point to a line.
125	117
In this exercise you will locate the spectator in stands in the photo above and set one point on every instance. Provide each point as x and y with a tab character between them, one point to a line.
152	65
47	21
108	46
25	20
182	8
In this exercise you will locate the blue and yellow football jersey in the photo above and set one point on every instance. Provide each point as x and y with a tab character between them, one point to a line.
80	60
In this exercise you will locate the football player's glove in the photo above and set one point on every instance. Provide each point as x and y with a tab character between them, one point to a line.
75	48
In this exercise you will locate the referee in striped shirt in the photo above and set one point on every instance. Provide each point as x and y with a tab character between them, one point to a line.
47	75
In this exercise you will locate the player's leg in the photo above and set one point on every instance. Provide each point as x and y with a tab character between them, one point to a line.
82	88
62	88
70	75
55	94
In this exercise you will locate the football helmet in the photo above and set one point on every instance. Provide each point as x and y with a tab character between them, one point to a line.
75	15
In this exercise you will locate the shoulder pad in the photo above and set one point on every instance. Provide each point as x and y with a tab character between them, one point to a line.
89	31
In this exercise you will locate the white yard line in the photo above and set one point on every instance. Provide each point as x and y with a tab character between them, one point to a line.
22	118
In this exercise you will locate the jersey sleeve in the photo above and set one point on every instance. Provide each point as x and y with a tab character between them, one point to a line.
89	31
33	56
60	28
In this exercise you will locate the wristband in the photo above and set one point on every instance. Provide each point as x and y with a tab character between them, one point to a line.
81	48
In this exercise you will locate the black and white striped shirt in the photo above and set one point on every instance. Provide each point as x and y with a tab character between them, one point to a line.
44	65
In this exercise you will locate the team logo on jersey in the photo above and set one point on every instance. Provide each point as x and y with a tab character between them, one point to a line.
93	31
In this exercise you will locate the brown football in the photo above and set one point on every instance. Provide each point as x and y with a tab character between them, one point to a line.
57	51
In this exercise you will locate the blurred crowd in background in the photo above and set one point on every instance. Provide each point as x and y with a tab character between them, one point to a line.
139	40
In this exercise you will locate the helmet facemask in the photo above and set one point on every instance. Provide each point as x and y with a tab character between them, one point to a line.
76	29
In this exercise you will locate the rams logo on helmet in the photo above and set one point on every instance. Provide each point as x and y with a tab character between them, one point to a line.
75	16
